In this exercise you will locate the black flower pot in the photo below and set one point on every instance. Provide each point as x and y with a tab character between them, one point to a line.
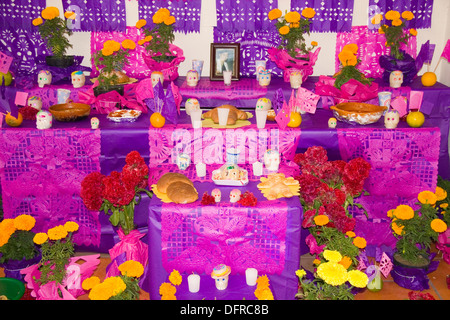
60	62
407	66
117	87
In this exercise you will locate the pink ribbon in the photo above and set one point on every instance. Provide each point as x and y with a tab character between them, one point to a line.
352	90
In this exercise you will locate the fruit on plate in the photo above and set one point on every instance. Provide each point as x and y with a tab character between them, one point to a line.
415	119
428	79
5	78
295	120
12	121
157	120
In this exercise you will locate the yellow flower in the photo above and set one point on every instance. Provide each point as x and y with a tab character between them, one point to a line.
148	38
397	229
141	23
128	44
57	233
300	273
167	289
24	222
350	234
377	19
438	225
390	213
407	15
392	15
169	20
346	262
71	226
112	45
352	47
141	42
314	43
332	255
284	30
107	52
160	15
332	273
168	297
397	22
274	14
444	205
360	242
316	261
102	291
117	284
440	193
40	238
263	281
308	13
37	21
175	278
70	15
90	282
427	197
347	58
131	268
294	25
292	17
404	212
264	294
321	220
358	278
50	13
413	32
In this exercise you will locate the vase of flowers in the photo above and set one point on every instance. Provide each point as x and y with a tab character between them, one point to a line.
161	55
349	62
54	32
17	249
397	34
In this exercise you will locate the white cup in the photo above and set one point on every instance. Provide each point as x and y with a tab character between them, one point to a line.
227	77
196	119
223	116
200	168
257	168
194	283
251	274
261	117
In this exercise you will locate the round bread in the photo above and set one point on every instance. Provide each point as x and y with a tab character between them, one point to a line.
181	192
169	178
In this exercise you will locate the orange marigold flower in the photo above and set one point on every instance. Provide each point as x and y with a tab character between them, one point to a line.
390	213
169	20
397	229
274	14
141	42
438	225
70	15
321	220
353	47
40	238
350	234
50	13
90	282
112	45
141	23
24	222
404	212
175	278
71	226
167	289
427	197
377	18
392	15
397	22
413	32
57	233
440	193
107	52
346	262
263	281
37	21
407	15
284	30
360	242
308	13
292	17
128	44
347	58
314	43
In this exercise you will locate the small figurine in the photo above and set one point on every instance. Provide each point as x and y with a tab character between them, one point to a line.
183	161
216	194
272	159
235	195
191	104
396	79
391	119
296	80
263	104
44	120
78	79
95	123
192	78
44	77
332	123
264	78
157	76
35	102
220	275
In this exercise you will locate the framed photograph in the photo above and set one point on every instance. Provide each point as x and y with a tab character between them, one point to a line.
224	56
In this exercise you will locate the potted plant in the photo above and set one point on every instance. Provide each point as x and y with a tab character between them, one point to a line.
54	32
17	249
349	61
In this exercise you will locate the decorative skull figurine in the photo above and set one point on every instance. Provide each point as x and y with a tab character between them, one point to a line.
263	104
235	195
183	161
216	194
272	159
396	79
264	78
35	102
192	78
391	119
78	79
191	104
332	122
95	122
296	80
44	120
157	76
44	77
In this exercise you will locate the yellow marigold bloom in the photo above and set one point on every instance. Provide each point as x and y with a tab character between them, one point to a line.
332	273
107	52
314	43
352	47
263	281
57	233
404	212
346	262
141	23
274	14
347	58
377	18
292	17
71	226
148	38
350	234
284	30
40	238
360	242
169	20
358	278
438	225
168	297
263	294
294	25
175	278
444	205
167	289
413	32
407	15
397	229
111	45
300	273
131	268
117	284
392	15
332	255
397	22
70	15
102	291
7	226
160	15
37	21
90	282
321	220
128	44
440	193
390	213
141	42
24	222
427	197
308	13
50	13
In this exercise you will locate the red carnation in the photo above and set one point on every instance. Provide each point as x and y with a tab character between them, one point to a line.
207	199
248	199
91	190
308	218
115	190
135	172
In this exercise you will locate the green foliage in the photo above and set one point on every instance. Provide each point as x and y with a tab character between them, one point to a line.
54	32
108	65
19	246
162	35
318	289
294	41
350	72
55	257
395	36
444	205
131	292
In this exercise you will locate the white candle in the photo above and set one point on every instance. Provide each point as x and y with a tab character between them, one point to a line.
223	116
257	168
251	274
200	169
194	283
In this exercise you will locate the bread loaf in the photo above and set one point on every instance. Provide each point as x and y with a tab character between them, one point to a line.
234	114
169	178
182	192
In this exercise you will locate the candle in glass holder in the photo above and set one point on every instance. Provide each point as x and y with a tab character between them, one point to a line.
194	283
251	274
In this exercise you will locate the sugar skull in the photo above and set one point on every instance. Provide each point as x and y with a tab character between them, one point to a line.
272	159
391	119
35	102
264	78
216	194
191	104
192	78
157	76
44	77
78	79
220	275
396	79
332	123
44	120
263	104
295	78
95	122
183	161
235	195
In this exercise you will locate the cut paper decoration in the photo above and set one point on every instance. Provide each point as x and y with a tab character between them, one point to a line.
306	100
5	62
400	104
278	100
164	103
371	272
415	100
363	261
446	53
21	98
385	265
283	116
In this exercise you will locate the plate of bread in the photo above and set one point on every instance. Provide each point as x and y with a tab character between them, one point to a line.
175	187
230	175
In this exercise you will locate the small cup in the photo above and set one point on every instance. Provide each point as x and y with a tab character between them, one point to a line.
233	155
200	168
63	95
251	274
257	168
259	66
384	99
194	283
198	65
227	77
223	116
196	119
261	117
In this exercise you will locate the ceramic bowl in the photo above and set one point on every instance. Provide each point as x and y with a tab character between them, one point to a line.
357	112
70	111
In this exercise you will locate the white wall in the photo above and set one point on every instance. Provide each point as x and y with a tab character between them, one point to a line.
197	45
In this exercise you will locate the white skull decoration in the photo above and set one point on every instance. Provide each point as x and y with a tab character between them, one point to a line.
78	79
396	79
95	122
235	195
263	104
391	119
332	123
216	194
272	159
35	102
296	80
44	120
192	78
157	76
44	77
191	104
264	78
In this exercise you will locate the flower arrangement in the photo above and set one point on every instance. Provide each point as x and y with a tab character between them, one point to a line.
167	290
16	239
262	291
331	280
396	33
56	248
443	199
349	61
292	27
123	287
416	230
117	192
54	30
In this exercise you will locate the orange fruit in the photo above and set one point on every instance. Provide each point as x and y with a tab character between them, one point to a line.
295	120
415	119
157	120
13	122
429	79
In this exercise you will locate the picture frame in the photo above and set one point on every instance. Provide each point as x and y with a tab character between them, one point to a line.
225	56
